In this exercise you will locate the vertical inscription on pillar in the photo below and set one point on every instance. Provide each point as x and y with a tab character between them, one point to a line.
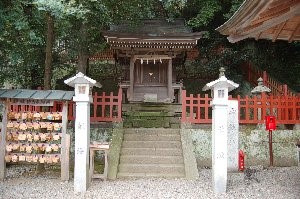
79	151
233	136
81	126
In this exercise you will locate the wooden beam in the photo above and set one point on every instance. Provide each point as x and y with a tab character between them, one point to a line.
65	143
170	77
276	34
131	76
275	11
285	6
266	25
291	38
152	49
258	36
250	13
3	141
152	57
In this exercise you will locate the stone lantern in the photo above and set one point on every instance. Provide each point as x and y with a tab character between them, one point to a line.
260	88
259	91
83	97
219	103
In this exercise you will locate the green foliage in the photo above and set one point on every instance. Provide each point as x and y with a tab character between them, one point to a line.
79	24
207	11
280	59
20	37
234	7
61	8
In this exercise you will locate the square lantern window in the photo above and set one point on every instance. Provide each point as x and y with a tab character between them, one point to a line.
221	93
82	89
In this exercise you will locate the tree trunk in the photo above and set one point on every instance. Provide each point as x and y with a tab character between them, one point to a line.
49	45
47	73
83	53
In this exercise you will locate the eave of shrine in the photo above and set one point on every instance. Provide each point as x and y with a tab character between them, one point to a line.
264	19
160	43
157	35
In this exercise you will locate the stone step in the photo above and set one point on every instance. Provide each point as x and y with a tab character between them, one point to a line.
151	144
154	175
151	131
152	151
152	168
150	123
150	159
173	108
151	137
147	114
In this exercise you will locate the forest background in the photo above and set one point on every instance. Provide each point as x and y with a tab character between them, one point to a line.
43	42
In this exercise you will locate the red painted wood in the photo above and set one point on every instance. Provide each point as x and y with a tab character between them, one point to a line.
252	73
110	106
286	109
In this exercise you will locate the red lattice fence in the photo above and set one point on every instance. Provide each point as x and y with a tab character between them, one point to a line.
106	108
252	73
252	110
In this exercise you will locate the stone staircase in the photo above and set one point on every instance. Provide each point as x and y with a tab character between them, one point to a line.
151	152
151	115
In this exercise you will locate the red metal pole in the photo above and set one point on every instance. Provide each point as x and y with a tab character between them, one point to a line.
270	148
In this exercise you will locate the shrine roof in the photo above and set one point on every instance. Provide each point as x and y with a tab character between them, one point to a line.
264	19
152	27
36	94
151	34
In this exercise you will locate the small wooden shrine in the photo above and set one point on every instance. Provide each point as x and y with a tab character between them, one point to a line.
264	19
148	54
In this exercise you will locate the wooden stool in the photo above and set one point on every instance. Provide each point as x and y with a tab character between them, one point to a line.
98	147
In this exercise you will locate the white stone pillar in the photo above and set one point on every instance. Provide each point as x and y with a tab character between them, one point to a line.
170	77
83	97
220	89
82	143
219	147
233	135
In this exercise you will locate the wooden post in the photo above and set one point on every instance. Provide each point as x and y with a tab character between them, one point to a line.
170	80
65	149
130	97
120	105
285	90
270	148
183	117
3	141
265	78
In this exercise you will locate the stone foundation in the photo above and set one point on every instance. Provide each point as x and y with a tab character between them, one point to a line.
254	143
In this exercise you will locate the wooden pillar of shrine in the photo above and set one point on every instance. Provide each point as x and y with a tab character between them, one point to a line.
170	93
130	97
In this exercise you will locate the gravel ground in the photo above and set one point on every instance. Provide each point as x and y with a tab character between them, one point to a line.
266	183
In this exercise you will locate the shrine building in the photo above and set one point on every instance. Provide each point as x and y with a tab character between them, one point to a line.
148	55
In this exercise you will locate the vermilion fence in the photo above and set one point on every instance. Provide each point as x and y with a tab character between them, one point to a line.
105	108
252	110
252	73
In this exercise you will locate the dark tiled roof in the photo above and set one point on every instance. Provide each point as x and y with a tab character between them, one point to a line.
153	27
36	94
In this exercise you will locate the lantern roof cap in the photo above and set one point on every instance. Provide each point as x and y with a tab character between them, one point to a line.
260	88
222	81
80	78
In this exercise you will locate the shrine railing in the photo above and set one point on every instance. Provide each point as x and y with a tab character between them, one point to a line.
252	110
105	108
252	73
